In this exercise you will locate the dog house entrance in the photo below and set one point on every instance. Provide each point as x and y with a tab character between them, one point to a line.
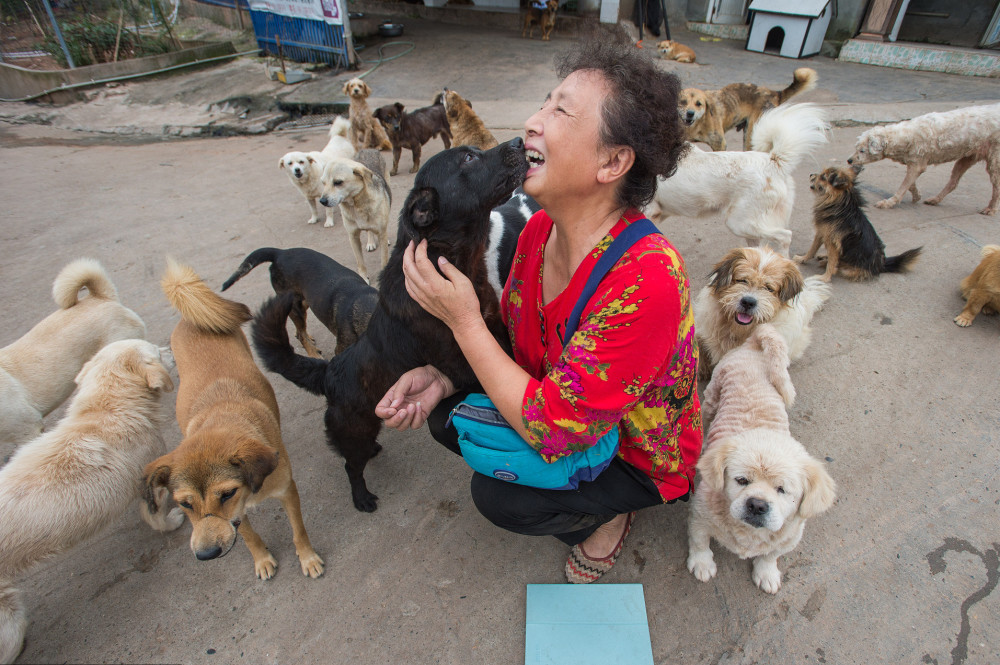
775	38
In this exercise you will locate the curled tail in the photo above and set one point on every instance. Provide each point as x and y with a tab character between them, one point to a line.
199	305
76	275
13	623
254	259
270	339
902	262
987	250
790	133
803	79
341	127
775	349
810	299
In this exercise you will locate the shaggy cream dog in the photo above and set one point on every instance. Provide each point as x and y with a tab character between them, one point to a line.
37	371
964	136
758	484
752	191
749	287
71	482
366	131
305	169
361	189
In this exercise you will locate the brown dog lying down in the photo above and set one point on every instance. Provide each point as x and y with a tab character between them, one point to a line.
412	130
981	289
231	456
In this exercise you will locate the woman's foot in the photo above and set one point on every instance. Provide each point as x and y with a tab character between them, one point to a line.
598	554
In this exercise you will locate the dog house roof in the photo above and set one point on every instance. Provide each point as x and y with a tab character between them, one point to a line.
808	8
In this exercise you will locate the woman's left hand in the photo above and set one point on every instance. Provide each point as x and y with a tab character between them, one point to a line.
451	298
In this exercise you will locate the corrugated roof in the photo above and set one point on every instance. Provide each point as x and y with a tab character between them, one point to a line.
808	8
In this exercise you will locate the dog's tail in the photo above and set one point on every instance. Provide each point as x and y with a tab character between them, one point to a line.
815	292
803	80
775	349
987	250
199	305
902	262
13	623
78	274
270	339
253	259
341	127
790	133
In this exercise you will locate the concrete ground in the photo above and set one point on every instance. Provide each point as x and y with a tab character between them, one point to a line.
903	404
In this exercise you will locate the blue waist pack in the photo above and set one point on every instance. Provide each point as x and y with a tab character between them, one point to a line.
493	448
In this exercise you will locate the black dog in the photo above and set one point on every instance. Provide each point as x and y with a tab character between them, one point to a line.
449	206
339	297
507	221
412	130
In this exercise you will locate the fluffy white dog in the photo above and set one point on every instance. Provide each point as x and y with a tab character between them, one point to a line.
37	370
305	169
753	191
964	136
71	482
758	484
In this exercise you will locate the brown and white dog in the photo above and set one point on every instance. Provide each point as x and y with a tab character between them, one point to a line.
305	169
758	484
543	14
708	114
232	456
37	370
964	136
466	127
671	50
749	287
981	289
73	481
366	131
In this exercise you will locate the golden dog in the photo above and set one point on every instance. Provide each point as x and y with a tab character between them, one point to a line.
981	289
366	131
466	126
542	13
73	481
751	286
231	456
708	115
671	50
758	484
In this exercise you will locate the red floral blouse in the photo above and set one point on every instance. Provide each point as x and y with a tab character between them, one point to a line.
632	362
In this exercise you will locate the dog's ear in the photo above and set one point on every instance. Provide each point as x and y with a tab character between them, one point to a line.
310	159
255	461
820	490
366	88
791	283
281	163
84	371
422	208
876	144
722	275
156	475
399	107
712	465
158	378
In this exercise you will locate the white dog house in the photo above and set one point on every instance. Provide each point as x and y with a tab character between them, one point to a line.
789	28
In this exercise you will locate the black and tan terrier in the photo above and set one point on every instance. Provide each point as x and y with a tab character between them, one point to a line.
853	247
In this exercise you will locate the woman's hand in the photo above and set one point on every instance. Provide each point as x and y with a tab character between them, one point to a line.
410	400
451	298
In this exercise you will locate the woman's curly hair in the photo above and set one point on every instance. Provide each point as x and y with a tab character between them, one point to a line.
640	110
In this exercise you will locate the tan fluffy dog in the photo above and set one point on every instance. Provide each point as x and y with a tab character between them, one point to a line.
466	127
671	50
37	371
751	286
231	456
981	289
73	481
305	169
758	484
708	114
361	189
366	131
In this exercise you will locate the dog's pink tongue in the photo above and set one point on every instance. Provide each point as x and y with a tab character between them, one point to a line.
744	319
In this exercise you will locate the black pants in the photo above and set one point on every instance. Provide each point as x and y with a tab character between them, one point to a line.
569	515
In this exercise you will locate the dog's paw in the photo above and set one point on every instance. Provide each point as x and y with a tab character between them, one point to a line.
885	203
174	519
313	220
312	565
766	576
266	567
702	565
328	223
365	501
799	258
964	320
988	211
933	201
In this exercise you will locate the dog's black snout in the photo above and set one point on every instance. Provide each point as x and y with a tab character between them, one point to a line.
690	114
850	160
757	506
748	302
517	143
210	553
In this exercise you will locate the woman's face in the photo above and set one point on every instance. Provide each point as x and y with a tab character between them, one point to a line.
563	144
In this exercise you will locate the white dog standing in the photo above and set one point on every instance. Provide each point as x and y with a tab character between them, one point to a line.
37	371
753	191
758	484
305	169
71	482
964	136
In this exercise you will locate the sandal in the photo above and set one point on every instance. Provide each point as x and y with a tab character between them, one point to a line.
582	569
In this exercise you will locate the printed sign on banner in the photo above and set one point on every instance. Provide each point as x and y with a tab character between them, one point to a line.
329	11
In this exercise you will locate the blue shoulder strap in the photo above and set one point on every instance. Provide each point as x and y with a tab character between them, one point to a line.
630	235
